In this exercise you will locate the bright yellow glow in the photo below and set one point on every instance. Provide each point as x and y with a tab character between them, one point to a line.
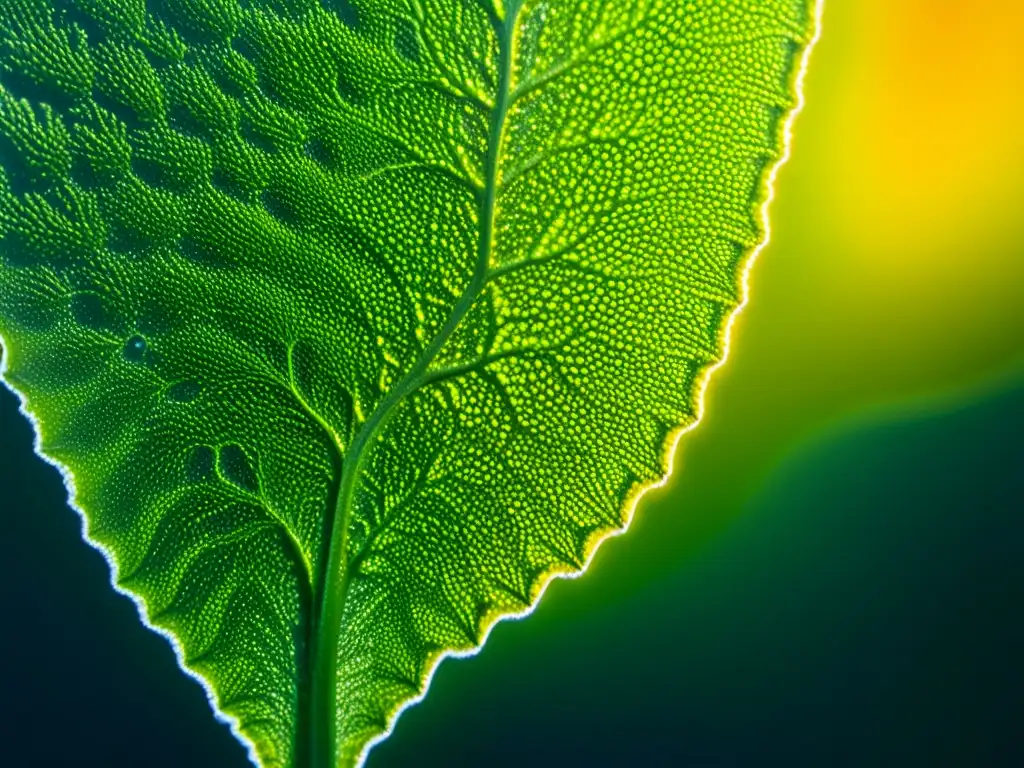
934	93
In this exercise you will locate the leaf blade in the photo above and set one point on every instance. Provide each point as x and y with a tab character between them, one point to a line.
490	290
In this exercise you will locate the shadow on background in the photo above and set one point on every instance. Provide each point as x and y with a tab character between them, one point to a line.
865	610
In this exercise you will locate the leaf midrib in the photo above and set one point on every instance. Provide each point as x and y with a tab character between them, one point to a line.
328	602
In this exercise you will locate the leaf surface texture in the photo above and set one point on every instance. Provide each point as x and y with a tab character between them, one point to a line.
356	321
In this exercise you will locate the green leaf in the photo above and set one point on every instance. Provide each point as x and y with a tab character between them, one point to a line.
355	322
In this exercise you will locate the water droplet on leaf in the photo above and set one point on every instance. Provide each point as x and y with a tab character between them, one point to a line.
135	349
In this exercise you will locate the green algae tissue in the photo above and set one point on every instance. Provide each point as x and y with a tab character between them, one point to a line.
352	323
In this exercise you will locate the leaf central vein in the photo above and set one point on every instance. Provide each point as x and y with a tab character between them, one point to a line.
330	601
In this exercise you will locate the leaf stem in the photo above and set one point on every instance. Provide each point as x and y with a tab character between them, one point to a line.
327	623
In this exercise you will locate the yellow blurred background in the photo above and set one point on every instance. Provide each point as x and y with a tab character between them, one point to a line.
899	221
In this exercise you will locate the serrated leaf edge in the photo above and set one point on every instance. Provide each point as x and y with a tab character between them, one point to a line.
592	545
